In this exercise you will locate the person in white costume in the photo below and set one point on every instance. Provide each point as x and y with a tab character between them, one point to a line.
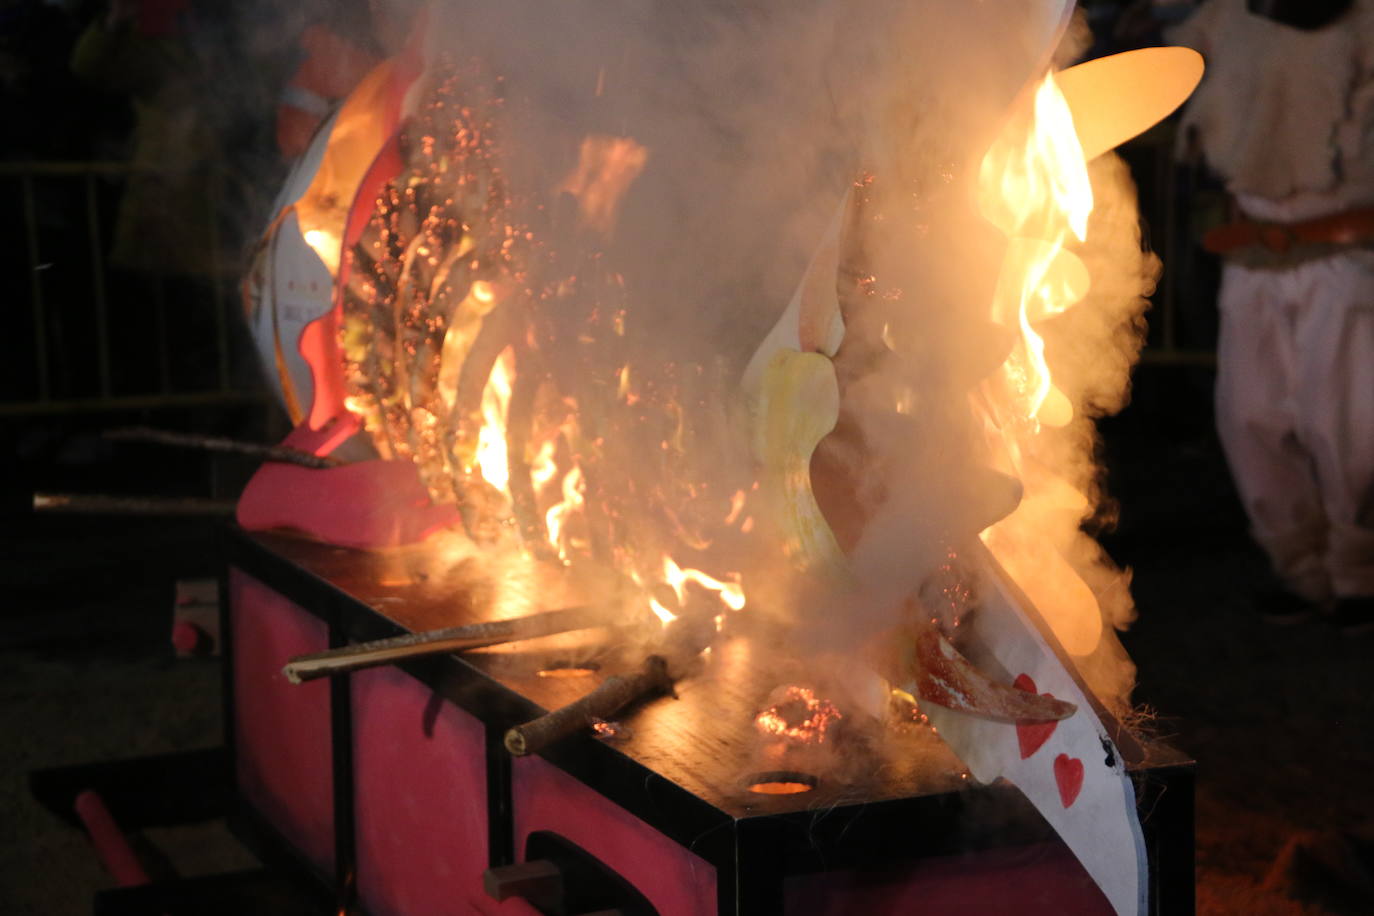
1285	116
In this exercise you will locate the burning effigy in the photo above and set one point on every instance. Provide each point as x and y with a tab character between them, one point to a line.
534	288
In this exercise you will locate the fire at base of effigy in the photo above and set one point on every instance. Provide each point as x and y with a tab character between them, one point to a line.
877	509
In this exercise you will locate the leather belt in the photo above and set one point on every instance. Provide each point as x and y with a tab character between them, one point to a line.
1353	227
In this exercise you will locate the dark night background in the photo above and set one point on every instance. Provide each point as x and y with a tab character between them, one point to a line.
1278	718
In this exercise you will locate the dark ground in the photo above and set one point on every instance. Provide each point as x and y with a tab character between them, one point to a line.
1277	718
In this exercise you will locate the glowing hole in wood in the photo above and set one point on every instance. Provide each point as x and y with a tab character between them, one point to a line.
781	782
569	669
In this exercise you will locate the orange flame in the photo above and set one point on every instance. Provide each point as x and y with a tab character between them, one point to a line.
675	577
491	439
606	168
731	594
574	488
664	615
544	467
1036	190
1034	186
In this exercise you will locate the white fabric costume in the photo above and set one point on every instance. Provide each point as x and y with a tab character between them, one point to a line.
1286	117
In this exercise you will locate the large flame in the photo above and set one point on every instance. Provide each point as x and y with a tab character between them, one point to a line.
1034	186
1036	190
491	440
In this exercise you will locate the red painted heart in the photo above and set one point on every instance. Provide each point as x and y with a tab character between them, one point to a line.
1031	735
1068	774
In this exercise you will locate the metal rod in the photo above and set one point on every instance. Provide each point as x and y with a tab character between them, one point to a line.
102	318
279	453
440	642
132	402
51	169
103	504
614	694
40	323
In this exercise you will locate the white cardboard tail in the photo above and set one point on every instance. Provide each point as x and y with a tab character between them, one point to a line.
1071	771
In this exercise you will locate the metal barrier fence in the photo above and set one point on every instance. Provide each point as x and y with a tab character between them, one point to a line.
68	360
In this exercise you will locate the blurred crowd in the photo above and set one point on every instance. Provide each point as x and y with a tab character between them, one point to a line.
174	87
187	114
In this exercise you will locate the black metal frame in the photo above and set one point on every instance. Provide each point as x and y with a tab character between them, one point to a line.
752	855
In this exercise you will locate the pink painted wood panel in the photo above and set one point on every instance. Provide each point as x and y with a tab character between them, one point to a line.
674	879
281	730
420	790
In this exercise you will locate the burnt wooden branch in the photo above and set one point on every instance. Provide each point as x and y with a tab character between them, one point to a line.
440	642
614	694
103	504
279	453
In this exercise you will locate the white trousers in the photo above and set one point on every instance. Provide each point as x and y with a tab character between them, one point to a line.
1295	411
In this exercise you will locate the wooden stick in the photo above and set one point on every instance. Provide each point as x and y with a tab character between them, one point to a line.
614	694
440	642
101	504
279	453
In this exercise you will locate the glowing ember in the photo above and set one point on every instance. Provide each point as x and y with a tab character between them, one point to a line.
606	729
800	716
417	288
483	292
569	670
